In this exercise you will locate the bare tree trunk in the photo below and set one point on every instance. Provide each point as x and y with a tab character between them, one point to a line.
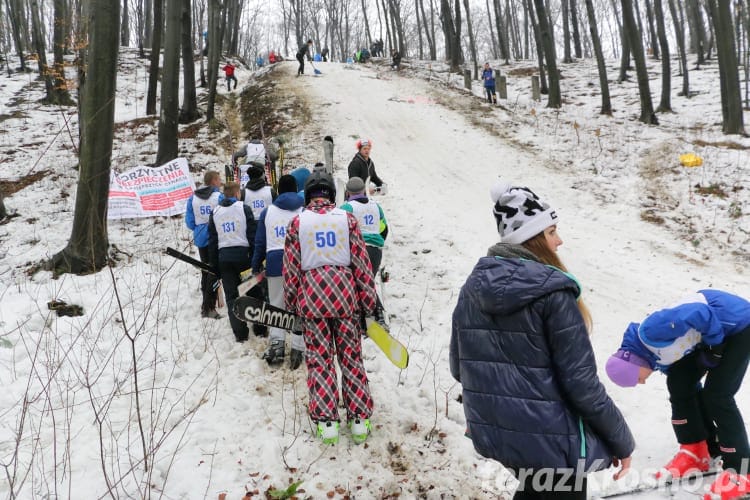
492	31
15	15
429	32
398	27
125	26
367	24
576	32
170	85
472	44
680	35
501	40
86	250
601	66
731	97
189	110
153	69
544	88
45	73
59	83
214	53
567	53
697	31
665	104
631	30
554	99
148	25
653	37
457	56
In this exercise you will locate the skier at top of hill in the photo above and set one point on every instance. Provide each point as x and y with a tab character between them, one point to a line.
520	348
303	52
362	165
328	282
706	334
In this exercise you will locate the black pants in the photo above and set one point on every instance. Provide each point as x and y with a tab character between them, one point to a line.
551	487
229	82
301	69
230	279
376	257
709	411
490	91
208	284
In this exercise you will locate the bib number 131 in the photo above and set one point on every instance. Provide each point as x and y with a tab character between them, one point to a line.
325	239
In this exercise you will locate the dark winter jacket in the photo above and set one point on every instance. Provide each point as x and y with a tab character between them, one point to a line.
488	76
302	52
200	231
286	201
231	254
256	184
520	349
359	167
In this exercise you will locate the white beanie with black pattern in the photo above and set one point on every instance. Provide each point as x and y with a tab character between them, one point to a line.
520	214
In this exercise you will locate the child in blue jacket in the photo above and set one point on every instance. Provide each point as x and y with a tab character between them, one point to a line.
706	334
488	77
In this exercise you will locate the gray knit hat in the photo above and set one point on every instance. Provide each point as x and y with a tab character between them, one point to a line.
355	185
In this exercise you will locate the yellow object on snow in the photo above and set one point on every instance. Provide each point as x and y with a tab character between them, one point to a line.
691	160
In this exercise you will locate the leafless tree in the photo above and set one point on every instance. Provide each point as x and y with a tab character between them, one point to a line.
87	248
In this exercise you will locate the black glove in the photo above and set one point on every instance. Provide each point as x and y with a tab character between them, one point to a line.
710	356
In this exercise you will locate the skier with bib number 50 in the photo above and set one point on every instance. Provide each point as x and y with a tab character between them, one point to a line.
328	282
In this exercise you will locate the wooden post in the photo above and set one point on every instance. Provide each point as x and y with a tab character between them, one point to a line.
535	92
467	79
502	87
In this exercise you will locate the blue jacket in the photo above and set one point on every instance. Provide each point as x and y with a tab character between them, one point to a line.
274	259
531	393
200	231
704	318
489	78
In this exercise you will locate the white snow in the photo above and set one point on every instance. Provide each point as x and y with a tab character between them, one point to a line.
216	417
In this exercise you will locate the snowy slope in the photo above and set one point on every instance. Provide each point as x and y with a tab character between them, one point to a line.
219	418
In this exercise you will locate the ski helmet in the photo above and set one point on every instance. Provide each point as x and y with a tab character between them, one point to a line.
320	183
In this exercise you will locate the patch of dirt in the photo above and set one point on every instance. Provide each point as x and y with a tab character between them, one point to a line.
720	144
10	187
528	71
264	102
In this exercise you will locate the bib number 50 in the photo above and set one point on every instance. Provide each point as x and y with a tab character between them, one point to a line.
325	239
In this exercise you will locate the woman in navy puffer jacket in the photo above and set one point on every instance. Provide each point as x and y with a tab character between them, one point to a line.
520	349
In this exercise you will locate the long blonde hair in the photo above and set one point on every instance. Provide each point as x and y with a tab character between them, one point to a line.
538	246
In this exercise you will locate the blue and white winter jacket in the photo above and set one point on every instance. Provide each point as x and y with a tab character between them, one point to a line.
520	348
205	197
488	76
703	318
274	258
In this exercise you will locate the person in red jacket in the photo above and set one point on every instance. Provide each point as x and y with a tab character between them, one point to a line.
328	282
229	72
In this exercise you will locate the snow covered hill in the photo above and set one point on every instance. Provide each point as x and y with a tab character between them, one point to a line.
214	417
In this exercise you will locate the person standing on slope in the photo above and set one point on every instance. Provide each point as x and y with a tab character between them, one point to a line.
520	348
328	282
704	335
229	73
199	208
231	230
373	225
362	165
269	245
488	77
301	54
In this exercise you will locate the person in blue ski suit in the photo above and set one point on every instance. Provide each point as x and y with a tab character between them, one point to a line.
520	348
199	207
269	246
488	77
706	334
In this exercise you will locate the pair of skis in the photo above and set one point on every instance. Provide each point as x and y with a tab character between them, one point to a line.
254	310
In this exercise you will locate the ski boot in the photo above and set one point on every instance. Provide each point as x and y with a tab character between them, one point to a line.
296	357
360	428
275	352
728	486
690	459
379	316
328	432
